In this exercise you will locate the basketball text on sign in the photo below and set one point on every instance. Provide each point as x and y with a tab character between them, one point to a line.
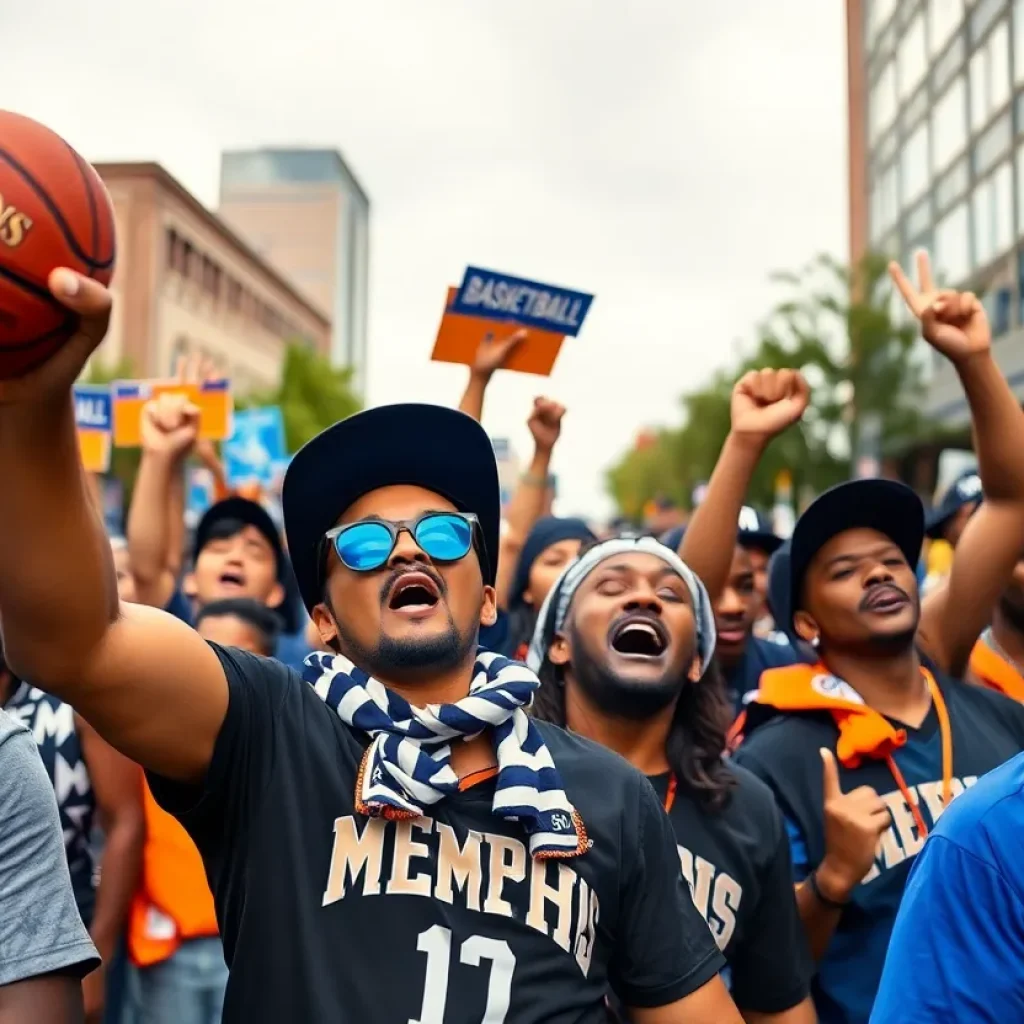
256	447
93	418
496	296
212	397
492	307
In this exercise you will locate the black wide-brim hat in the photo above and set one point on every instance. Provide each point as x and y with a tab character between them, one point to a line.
429	446
889	507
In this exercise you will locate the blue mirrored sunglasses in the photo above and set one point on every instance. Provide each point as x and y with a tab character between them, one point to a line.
367	545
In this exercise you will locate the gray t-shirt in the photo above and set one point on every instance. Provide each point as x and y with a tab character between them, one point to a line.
41	931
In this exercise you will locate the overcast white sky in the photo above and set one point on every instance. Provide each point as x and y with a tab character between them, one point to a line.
665	155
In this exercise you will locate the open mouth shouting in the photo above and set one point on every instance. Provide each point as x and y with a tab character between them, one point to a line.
232	581
414	595
640	637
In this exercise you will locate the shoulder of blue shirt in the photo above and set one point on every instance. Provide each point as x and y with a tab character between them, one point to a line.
988	819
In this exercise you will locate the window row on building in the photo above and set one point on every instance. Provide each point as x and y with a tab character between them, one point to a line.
192	264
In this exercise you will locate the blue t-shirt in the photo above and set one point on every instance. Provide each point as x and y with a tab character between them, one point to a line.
957	948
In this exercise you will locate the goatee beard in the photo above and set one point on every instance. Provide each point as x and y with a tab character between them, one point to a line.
619	696
410	658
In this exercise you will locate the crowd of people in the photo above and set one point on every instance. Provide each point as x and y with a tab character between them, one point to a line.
414	761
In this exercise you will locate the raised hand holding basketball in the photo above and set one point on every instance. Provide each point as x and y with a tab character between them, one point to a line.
89	304
57	252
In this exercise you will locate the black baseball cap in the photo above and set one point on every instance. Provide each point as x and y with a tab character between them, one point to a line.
430	446
755	530
964	490
248	512
887	506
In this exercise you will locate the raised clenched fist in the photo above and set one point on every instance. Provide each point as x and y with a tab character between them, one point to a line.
545	422
765	402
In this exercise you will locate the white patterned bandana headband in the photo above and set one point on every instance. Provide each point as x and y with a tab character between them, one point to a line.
407	766
560	596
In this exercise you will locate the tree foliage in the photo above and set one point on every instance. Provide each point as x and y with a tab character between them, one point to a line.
312	395
836	325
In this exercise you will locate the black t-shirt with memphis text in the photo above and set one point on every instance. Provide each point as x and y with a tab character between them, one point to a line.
987	730
737	864
331	917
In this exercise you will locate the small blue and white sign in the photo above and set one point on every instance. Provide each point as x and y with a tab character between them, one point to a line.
496	296
93	407
255	450
502	448
199	495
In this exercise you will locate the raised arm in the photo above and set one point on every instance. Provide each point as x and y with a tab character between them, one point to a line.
954	323
764	403
530	496
169	427
148	684
490	356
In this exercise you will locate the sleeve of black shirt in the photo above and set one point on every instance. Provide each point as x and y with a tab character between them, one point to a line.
665	949
771	971
244	754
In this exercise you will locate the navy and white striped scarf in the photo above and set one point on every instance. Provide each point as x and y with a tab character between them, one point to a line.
407	767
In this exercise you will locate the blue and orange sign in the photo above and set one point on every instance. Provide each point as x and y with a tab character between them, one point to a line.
492	305
93	420
213	398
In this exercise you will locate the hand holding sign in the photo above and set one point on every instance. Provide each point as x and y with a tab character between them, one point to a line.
766	402
545	423
494	352
952	322
853	823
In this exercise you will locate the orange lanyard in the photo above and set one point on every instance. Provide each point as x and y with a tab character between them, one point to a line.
670	796
947	758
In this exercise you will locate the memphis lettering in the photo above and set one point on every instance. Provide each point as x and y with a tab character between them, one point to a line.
902	840
715	893
485	873
523	300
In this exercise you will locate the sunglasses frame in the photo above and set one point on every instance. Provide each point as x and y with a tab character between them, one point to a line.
396	527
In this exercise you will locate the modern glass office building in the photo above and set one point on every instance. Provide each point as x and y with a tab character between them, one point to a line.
304	211
936	93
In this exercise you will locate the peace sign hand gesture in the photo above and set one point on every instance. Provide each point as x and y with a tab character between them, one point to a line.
952	322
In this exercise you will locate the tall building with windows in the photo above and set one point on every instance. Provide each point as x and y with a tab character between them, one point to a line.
304	211
936	93
186	283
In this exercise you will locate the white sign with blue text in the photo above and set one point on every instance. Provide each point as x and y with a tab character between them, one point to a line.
496	296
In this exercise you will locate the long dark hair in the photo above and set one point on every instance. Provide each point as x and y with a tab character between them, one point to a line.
696	742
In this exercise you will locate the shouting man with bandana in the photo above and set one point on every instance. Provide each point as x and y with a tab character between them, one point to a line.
624	649
866	749
392	839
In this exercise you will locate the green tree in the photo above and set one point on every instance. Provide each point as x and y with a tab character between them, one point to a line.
312	395
834	324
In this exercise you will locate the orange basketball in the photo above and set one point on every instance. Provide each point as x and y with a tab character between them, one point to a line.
54	212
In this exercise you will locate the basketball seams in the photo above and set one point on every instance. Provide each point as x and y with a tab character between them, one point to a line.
60	332
37	292
55	212
87	174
